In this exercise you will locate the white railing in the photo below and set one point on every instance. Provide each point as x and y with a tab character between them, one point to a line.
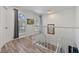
44	41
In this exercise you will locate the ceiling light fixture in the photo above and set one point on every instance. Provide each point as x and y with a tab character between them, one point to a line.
49	12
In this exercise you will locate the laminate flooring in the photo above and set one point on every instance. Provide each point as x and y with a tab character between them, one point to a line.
22	45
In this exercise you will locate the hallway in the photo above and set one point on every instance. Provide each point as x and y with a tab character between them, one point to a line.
39	29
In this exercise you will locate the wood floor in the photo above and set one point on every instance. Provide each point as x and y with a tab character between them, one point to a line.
22	45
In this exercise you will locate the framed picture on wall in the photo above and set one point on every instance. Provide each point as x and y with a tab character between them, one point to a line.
30	21
50	29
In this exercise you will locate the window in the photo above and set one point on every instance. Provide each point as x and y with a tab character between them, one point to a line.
22	23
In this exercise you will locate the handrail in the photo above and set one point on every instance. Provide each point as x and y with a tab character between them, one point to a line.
60	27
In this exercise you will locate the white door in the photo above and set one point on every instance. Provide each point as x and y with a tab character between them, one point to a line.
7	25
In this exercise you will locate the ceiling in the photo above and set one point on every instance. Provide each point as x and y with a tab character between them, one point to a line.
45	9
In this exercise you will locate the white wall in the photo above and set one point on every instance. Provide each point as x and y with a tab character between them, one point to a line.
6	20
65	18
77	25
